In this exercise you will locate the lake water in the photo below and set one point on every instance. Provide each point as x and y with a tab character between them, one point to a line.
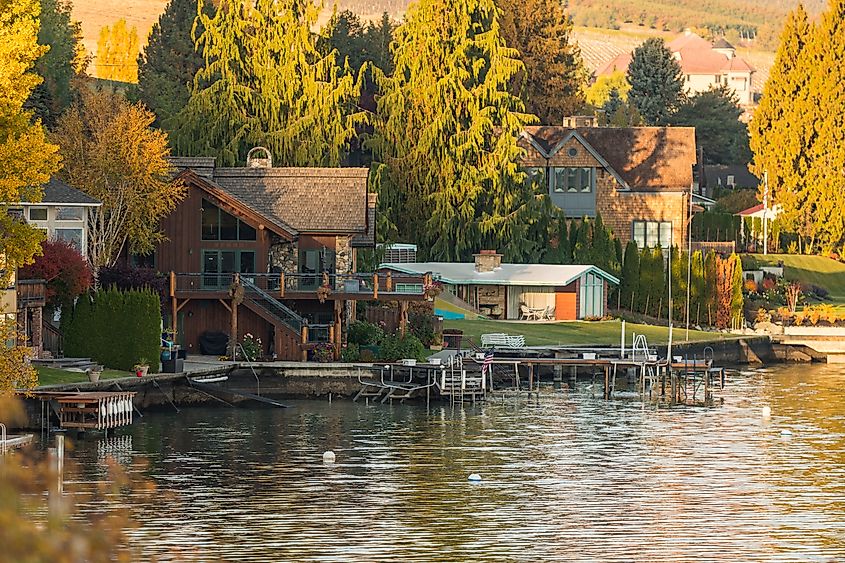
571	477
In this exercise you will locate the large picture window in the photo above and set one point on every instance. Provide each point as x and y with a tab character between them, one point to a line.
218	265
573	180
651	234
219	225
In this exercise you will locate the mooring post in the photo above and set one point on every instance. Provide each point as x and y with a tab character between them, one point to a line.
606	383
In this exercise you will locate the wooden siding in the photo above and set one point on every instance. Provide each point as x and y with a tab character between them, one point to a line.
182	251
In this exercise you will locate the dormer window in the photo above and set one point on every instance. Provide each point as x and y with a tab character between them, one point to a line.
573	180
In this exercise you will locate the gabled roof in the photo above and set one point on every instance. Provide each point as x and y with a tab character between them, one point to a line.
464	273
57	192
722	43
717	175
293	200
757	211
641	158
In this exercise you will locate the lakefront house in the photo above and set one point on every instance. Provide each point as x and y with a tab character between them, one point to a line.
271	252
639	179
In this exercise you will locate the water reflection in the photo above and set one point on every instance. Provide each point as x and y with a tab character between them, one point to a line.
570	477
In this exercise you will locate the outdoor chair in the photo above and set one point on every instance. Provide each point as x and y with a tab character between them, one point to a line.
525	313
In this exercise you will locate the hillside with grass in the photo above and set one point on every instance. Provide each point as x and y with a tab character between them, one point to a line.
604	30
817	270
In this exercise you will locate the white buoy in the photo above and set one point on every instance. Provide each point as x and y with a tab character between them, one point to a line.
786	432
767	411
474	477
328	457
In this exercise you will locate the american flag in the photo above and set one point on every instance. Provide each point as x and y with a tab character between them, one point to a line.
488	361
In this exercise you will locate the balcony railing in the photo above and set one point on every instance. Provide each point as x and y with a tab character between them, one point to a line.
282	285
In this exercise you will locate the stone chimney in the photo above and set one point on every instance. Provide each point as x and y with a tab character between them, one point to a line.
487	260
579	121
259	157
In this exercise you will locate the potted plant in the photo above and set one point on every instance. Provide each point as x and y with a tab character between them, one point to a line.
142	367
94	373
436	343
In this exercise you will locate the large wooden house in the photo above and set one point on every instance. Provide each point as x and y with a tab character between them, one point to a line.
272	252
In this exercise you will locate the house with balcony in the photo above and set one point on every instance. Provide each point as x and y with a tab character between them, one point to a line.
272	252
640	179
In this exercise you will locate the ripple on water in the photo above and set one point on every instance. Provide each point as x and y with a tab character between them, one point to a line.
570	478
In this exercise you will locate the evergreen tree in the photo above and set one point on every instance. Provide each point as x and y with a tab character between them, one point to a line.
58	66
698	289
446	131
264	82
776	137
582	252
645	283
344	32
656	81
573	237
167	67
554	75
117	53
718	130
710	302
378	38
659	293
629	284
824	181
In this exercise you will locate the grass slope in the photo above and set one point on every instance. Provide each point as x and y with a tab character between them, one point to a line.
576	333
817	270
51	376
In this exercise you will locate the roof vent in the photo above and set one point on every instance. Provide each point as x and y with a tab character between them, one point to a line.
259	157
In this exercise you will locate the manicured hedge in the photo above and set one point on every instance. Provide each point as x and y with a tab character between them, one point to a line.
115	328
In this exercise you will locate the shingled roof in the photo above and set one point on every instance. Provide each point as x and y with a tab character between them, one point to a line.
645	158
57	192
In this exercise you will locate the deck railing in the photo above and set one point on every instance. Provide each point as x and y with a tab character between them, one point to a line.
278	285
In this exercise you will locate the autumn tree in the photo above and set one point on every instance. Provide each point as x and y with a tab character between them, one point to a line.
27	159
117	53
65	270
60	64
656	81
720	134
112	153
600	91
552	82
169	62
265	82
445	140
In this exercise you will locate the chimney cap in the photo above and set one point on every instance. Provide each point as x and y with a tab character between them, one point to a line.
487	252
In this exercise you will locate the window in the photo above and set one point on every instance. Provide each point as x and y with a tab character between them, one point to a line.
652	234
572	151
414	288
72	236
69	214
315	262
37	213
573	180
218	264
219	225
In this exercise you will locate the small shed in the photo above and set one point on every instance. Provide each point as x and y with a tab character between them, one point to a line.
504	291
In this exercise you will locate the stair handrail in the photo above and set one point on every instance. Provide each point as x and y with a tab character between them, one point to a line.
291	317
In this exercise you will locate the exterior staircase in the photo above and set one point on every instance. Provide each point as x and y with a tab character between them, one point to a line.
287	322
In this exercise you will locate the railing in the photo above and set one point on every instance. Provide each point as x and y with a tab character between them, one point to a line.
271	305
278	285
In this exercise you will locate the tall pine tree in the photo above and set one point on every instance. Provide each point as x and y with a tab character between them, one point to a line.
552	83
656	81
264	82
446	131
167	67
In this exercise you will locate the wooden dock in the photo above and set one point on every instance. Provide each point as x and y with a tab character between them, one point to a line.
99	410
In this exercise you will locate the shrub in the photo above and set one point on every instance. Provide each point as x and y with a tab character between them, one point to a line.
364	333
422	326
749	262
792	248
323	353
115	328
769	283
350	353
750	286
126	278
65	270
250	349
395	348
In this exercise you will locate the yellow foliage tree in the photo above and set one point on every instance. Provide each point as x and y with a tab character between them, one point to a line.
15	370
27	160
599	92
113	154
117	53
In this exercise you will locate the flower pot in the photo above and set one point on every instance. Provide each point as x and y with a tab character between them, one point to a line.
94	376
141	371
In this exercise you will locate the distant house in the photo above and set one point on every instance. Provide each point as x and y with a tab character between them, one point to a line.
271	252
510	291
705	65
62	214
638	178
733	176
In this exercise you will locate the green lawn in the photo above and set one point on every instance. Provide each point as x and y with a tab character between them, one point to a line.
817	270
575	333
50	376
